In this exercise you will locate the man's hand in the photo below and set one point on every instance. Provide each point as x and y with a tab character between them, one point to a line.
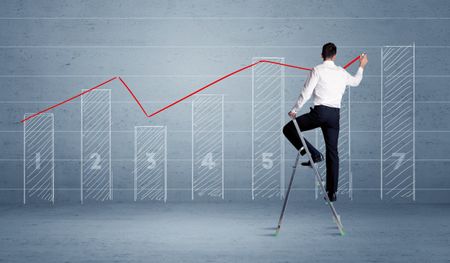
363	60
292	114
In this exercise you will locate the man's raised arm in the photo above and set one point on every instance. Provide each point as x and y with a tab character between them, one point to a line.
354	81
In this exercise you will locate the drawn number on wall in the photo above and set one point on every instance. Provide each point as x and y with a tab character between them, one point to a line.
151	160
96	161
208	161
267	160
401	158
38	161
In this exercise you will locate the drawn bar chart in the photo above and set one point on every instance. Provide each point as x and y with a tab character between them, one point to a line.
398	122
268	117
39	159
345	173
96	176
208	146
150	163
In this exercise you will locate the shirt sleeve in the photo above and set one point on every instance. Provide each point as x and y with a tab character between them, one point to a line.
307	91
354	81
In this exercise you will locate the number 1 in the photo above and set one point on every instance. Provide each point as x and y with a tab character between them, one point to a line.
38	161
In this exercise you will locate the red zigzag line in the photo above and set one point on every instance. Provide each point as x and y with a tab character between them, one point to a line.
179	100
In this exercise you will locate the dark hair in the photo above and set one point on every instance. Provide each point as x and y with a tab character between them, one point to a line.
328	50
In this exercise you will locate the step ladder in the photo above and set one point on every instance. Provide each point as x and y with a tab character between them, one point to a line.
336	217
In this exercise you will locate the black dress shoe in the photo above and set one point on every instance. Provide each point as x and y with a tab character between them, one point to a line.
302	151
316	159
331	196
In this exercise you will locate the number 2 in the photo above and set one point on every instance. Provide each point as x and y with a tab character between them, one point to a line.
96	163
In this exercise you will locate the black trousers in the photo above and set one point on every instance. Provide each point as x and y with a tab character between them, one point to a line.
327	118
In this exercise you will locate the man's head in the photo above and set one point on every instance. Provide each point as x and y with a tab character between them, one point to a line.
329	51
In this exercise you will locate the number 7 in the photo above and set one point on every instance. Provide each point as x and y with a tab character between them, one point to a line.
401	157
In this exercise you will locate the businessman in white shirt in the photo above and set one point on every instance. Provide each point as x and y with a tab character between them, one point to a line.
326	83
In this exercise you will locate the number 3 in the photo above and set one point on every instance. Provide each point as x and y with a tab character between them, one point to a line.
151	160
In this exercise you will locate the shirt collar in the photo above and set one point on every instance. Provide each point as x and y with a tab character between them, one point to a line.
329	62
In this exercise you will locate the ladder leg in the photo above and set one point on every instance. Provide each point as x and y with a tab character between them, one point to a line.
287	193
319	179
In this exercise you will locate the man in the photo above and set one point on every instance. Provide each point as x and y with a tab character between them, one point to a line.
327	83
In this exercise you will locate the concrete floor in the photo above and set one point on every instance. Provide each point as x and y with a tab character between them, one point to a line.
223	232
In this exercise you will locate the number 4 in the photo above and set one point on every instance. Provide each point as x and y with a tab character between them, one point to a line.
208	161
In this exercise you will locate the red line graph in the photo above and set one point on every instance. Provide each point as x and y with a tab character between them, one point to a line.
179	100
67	100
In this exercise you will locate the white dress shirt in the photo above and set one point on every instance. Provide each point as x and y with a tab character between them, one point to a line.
327	82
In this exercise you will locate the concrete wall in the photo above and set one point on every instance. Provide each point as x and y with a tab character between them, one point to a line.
50	50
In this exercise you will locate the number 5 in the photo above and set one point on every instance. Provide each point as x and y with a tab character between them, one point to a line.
267	162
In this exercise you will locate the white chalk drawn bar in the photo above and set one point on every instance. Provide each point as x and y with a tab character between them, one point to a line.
150	163
398	122
39	159
207	147
268	116
96	177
